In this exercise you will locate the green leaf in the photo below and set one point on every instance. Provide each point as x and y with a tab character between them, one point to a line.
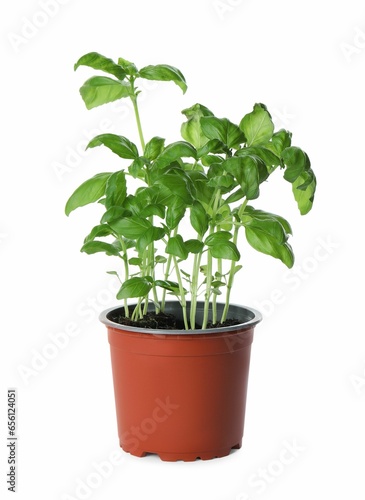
176	246
261	215
172	286
97	61
152	234
90	191
100	90
257	126
296	162
114	213
224	182
208	160
304	188
237	195
194	246
132	205
160	259
280	141
175	212
225	250
217	238
203	192
212	146
178	184
222	129
245	170
136	169
174	152
164	72
270	159
153	209
135	261
100	246
98	232
271	227
199	218
135	287
191	130
265	242
114	273
157	194
154	148
116	190
129	67
130	227
120	145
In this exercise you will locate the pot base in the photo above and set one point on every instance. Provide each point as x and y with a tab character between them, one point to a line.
185	457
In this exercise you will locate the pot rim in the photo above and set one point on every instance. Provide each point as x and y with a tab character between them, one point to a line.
255	317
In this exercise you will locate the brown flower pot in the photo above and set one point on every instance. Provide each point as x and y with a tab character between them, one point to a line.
181	395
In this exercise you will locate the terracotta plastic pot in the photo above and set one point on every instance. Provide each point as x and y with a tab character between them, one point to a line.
181	395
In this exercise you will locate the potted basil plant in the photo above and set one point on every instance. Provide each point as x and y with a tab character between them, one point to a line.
180	349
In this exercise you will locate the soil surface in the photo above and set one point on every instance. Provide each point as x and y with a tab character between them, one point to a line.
162	321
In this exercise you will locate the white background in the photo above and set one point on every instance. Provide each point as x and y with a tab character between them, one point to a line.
305	61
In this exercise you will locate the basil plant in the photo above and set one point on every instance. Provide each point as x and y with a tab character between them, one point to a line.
209	180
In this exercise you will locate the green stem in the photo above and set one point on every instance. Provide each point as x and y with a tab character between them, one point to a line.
208	287
137	313
194	286
182	293
167	273
166	276
216	204
230	279
233	265
136	113
214	313
126	273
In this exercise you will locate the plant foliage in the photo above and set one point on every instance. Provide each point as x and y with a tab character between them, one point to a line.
208	179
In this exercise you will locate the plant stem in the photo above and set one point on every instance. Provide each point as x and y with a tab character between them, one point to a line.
208	287
216	204
126	273
166	276
136	113
214	313
233	265
194	286
230	279
182	293
167	273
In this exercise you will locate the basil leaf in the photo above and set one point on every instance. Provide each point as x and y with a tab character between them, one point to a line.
130	227
222	129
135	287
100	246
116	190
199	218
90	191
304	188
97	61
176	246
100	90
98	231
154	148
191	130
225	250
174	152
257	126
164	72
263	237
120	145
296	162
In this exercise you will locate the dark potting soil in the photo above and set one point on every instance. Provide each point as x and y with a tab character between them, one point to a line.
163	321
